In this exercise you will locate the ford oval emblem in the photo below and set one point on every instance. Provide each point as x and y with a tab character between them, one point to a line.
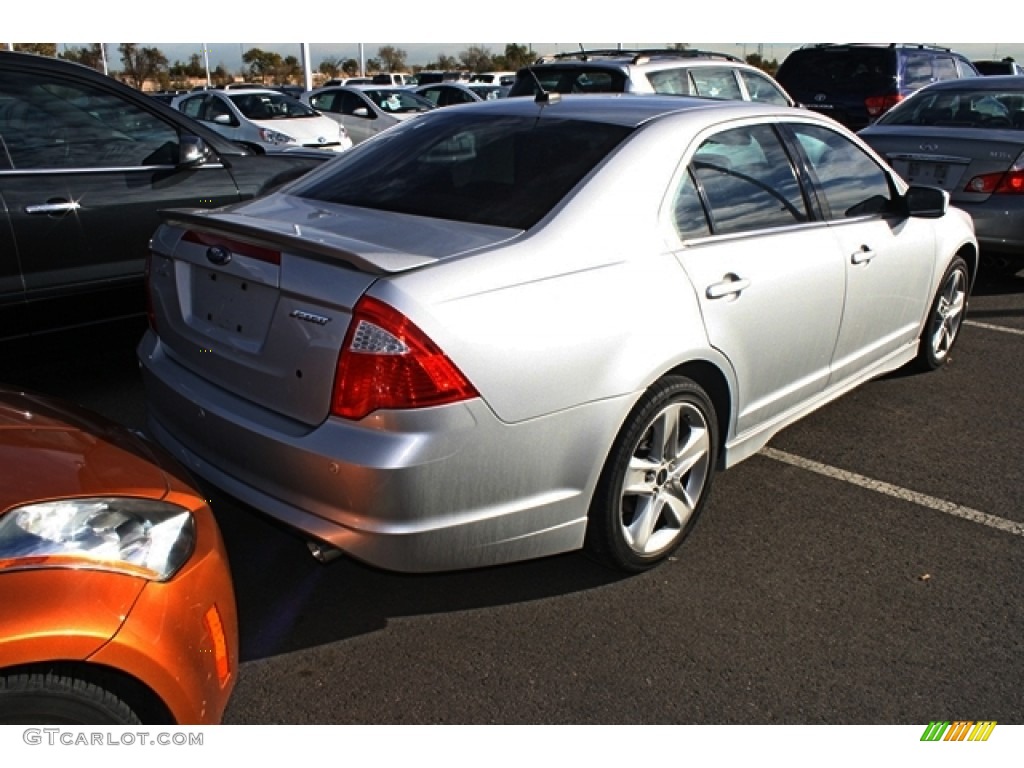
218	255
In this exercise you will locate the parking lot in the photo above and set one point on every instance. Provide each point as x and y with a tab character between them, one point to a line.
865	568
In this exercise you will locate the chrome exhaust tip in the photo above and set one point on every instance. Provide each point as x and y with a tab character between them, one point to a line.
323	553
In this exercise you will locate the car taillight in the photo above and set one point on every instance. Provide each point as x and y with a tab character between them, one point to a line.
1009	182
387	362
879	105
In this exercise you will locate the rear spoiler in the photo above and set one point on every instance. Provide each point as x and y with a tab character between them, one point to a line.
357	254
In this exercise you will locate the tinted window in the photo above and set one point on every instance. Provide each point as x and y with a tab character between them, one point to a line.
842	68
504	171
853	183
965	106
748	181
53	123
569	80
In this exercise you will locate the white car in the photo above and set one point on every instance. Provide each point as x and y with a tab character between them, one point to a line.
261	118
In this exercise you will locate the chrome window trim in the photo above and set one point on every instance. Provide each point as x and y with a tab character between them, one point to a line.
112	169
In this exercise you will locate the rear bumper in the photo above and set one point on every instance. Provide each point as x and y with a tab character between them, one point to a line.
432	489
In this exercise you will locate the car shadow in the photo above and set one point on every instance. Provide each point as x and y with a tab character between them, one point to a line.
289	601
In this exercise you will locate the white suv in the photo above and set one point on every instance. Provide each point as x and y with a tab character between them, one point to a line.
686	72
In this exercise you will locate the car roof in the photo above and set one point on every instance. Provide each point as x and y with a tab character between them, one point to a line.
982	83
626	109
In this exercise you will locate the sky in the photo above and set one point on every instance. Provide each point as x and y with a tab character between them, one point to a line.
414	27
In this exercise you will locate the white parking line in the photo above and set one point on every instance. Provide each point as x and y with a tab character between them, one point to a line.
989	326
956	510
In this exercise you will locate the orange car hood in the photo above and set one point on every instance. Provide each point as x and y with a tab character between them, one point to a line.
50	449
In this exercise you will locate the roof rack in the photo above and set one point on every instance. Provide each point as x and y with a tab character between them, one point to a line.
921	46
637	56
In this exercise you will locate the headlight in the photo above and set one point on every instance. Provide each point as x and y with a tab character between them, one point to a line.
275	137
139	537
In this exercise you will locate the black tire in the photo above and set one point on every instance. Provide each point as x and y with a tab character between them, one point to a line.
657	477
52	699
945	316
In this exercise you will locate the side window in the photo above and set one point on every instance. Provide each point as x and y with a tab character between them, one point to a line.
760	88
748	181
853	183
943	68
716	83
917	71
672	81
51	122
688	211
325	102
193	107
350	103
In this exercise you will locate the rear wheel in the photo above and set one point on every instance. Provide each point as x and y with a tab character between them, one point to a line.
52	699
945	317
657	478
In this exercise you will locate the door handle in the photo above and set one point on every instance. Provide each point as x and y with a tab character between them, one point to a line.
862	256
732	285
52	206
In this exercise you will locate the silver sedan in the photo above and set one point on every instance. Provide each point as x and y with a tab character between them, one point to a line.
967	137
523	327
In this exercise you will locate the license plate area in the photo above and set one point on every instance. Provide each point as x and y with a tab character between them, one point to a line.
231	307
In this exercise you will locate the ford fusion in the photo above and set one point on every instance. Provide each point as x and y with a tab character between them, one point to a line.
522	327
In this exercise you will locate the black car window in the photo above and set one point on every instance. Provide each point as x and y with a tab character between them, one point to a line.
464	166
852	182
856	69
51	122
573	79
748	181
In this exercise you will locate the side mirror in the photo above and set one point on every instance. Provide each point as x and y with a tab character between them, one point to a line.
926	202
223	120
361	112
193	151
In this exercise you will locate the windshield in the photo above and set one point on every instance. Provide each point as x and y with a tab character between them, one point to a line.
855	69
966	107
270	106
568	79
396	100
505	171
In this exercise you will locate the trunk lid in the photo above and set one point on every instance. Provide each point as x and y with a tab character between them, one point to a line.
257	298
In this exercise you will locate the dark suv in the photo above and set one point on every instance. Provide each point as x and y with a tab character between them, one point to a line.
85	164
856	83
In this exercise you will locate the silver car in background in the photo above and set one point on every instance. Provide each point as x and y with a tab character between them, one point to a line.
521	327
366	110
967	137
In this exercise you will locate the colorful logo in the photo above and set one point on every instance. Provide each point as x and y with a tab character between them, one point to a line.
958	730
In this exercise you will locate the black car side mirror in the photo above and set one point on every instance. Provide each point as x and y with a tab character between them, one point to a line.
193	151
926	202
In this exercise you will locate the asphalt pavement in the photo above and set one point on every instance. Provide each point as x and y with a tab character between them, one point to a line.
865	568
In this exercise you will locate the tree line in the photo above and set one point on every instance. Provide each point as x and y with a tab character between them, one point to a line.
141	64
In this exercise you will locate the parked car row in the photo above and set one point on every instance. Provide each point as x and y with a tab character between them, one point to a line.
370	345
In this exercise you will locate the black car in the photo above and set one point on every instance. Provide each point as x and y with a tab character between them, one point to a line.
85	164
856	83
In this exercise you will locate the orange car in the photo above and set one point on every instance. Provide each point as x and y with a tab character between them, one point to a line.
116	601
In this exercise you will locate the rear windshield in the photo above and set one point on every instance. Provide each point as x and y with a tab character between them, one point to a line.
838	68
574	79
506	171
965	106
